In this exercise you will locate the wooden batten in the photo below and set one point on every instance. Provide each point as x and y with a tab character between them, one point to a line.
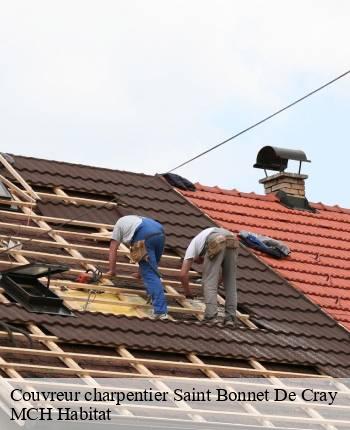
18	177
26	199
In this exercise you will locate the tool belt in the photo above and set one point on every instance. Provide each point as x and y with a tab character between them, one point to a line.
138	250
216	244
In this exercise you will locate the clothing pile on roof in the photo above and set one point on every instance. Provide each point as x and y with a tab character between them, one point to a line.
293	330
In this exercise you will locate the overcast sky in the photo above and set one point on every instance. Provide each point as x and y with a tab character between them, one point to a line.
144	85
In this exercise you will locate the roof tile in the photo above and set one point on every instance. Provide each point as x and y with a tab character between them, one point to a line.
319	264
295	328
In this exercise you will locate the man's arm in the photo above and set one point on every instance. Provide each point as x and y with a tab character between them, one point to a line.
184	276
113	251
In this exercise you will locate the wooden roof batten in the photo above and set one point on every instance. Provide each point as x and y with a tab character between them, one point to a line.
87	375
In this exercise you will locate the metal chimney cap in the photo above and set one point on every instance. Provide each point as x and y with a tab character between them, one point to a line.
273	158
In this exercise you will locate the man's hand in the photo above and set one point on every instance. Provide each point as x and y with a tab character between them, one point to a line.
189	295
110	274
186	266
112	257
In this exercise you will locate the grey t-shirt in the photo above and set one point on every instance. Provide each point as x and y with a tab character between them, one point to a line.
197	244
125	227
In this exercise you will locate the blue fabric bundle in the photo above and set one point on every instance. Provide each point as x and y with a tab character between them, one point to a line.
266	244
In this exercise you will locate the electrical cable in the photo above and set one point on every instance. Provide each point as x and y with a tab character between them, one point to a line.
260	122
118	199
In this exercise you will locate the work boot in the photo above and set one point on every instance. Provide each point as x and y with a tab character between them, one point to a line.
155	316
229	321
211	320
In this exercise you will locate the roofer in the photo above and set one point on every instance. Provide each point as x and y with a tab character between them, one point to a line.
146	239
217	249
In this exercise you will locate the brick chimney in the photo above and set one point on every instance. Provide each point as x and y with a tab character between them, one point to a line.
289	187
291	183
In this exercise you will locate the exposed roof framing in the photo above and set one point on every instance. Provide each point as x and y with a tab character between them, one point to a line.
18	177
296	332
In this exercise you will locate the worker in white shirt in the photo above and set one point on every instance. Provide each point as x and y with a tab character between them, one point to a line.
217	249
146	239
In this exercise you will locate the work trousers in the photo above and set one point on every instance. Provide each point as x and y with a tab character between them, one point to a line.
149	266
226	263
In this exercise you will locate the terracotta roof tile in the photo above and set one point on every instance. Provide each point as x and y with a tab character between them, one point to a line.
319	264
295	328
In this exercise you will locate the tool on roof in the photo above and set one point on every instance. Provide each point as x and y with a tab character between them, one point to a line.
89	299
90	276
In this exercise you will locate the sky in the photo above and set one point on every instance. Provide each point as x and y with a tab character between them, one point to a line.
143	85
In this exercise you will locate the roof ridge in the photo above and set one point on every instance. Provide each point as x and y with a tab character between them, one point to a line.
81	165
268	197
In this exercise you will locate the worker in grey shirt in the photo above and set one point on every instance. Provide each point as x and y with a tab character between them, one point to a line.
217	249
147	237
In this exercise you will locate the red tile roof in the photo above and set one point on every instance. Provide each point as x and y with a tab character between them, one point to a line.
319	264
291	328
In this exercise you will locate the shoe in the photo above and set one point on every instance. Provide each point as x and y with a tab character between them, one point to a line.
211	320
155	316
163	317
229	322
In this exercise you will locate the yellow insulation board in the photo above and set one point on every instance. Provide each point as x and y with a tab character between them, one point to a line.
103	307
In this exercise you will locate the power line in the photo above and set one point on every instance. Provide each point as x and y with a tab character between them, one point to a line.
260	122
118	198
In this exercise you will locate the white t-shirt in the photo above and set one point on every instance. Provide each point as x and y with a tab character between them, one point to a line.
125	227
197	244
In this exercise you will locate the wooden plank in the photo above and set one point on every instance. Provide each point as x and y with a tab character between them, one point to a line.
275	381
82	260
68	361
159	384
210	373
14	189
75	200
311	412
167	364
18	177
248	386
76	272
40	230
16	202
54	220
127	304
59	193
68	371
61	258
73	252
54	244
32	336
104	288
9	370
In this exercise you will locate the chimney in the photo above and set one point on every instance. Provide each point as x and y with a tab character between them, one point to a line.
288	187
291	183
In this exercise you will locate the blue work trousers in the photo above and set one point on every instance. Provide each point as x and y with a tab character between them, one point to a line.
149	267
